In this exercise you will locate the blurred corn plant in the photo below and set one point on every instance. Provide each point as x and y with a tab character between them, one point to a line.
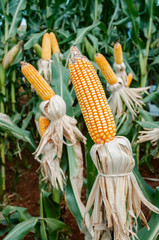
93	26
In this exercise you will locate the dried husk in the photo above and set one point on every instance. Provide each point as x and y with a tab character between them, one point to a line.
11	55
149	135
51	143
79	176
121	73
116	198
50	166
132	97
44	67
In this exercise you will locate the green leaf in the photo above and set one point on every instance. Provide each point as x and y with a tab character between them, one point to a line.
17	18
73	162
126	127
146	115
6	124
56	225
91	169
156	61
152	96
59	82
22	229
77	110
90	49
146	189
22	212
72	204
33	39
81	32
73	201
27	120
153	233
146	124
51	209
129	69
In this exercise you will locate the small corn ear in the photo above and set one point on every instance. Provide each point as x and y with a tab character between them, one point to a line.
46	47
54	43
118	54
106	69
130	78
37	81
38	49
43	124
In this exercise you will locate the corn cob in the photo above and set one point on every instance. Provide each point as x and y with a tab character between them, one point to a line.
37	81
106	69
54	43
92	99
118	55
46	47
38	49
43	124
130	78
11	55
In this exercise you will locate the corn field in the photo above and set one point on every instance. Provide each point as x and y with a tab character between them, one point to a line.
79	119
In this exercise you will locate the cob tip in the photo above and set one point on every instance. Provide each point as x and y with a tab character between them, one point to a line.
22	63
117	45
76	54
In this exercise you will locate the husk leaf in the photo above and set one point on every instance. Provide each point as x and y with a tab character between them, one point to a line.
116	193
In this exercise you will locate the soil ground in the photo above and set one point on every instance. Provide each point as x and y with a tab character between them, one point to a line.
25	192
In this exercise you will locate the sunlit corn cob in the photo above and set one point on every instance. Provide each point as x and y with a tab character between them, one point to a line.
37	81
106	69
54	43
92	99
43	124
46	47
118	54
130	78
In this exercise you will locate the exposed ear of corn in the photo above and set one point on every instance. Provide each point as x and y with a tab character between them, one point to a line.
130	78
54	111
92	99
118	54
11	55
46	47
51	143
119	84
37	81
106	69
43	124
112	157
119	65
54	43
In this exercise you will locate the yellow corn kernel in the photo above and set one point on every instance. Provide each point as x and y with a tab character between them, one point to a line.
46	47
130	78
93	102
118	54
37	81
106	69
54	43
43	124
